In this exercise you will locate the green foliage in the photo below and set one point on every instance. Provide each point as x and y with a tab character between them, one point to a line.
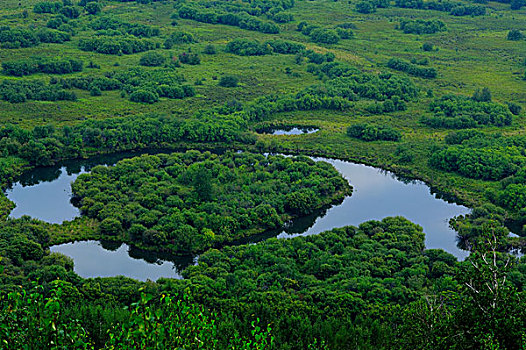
427	46
14	38
223	15
515	35
460	112
413	69
347	81
177	38
5	207
209	50
166	324
483	95
320	282
93	8
107	23
111	135
28	320
422	27
116	45
47	7
152	59
282	17
189	58
193	204
246	47
468	10
477	156
325	36
42	65
365	7
514	108
228	81
18	91
368	132
517	4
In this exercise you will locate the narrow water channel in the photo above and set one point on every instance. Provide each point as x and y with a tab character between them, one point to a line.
45	194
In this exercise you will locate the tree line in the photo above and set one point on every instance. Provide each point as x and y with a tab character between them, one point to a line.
15	38
34	65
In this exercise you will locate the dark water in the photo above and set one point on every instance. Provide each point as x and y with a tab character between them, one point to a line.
289	130
45	194
378	194
107	259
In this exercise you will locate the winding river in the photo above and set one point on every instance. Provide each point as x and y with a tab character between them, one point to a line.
45	193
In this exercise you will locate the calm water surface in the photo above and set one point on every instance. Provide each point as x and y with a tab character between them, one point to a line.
45	194
289	131
107	259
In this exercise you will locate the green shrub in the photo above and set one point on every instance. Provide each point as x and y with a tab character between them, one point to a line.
152	59
228	81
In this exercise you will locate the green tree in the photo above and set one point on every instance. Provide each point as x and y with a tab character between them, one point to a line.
228	81
93	8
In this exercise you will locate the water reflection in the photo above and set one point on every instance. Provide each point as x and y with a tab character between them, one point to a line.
288	130
45	194
109	259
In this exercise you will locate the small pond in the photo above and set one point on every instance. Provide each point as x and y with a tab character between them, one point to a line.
45	194
289	130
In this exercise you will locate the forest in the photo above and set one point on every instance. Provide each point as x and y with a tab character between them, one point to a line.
223	124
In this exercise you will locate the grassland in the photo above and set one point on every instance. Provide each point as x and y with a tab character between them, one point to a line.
471	54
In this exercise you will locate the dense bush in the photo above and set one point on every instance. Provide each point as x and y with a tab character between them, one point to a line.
480	156
20	91
468	10
368	132
93	8
47	7
474	163
517	4
515	35
70	11
14	38
365	7
123	27
42	65
153	84
210	50
422	27
228	81
144	96
152	59
241	20
285	47
351	82
413	69
460	112
282	17
116	45
325	36
247	47
187	202
179	37
87	82
324	282
112	135
191	58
